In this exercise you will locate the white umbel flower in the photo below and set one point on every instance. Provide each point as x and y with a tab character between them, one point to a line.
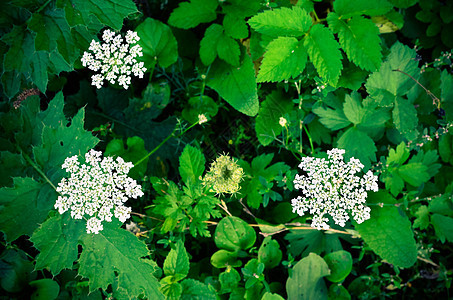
114	59
97	189
331	187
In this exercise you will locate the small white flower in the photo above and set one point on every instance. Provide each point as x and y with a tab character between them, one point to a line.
331	187
282	122
202	119
114	59
95	188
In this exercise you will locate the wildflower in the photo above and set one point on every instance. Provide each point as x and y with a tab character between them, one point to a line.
224	175
95	188
282	122
331	187
115	60
202	119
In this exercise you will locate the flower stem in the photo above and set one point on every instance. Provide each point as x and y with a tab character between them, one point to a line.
163	142
36	167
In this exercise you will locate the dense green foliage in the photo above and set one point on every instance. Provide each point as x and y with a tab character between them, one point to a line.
277	81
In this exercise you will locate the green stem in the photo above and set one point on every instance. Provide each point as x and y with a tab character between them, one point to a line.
35	166
43	6
309	139
163	142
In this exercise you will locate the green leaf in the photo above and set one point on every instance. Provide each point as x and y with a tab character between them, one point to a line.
109	12
359	38
158	43
285	58
234	234
338	292
17	270
39	73
443	226
374	117
235	27
405	118
208	44
242	9
333	118
236	85
414	173
340	265
134	152
303	242
271	296
399	156
229	279
347	9
224	259
115	250
176	263
191	164
324	52
195	290
21	50
394	183
422	220
267	122
388	232
396	83
310	272
269	253
353	109
45	289
282	22
191	14
53	33
359	145
228	50
23	207
58	234
446	97
199	105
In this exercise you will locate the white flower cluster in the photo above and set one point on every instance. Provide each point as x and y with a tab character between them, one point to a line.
95	188
114	59
331	187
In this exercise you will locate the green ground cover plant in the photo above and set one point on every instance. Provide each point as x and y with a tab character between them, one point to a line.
226	149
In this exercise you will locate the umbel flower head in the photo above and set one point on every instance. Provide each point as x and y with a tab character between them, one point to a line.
114	59
332	188
95	188
224	175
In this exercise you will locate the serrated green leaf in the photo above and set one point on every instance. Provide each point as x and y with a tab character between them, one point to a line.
414	173
191	14
422	220
11	165
196	290
394	183
267	122
353	109
108	12
21	49
359	38
228	50
347	9
310	270
285	58
235	85
324	52
396	83
405	118
191	164
399	156
39	64
53	33
235	27
158	43
374	117
334	119
21	207
359	145
58	234
176	263
134	152
208	44
389	233
115	250
443	226
282	22
234	234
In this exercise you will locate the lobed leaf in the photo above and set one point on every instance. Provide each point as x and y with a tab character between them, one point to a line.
191	14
